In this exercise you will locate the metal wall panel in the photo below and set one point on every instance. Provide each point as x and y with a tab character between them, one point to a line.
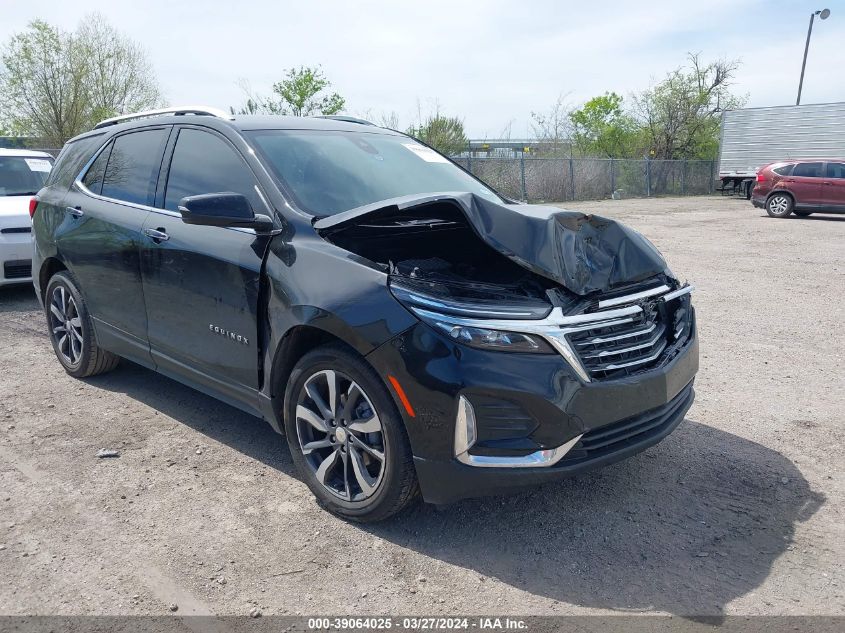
753	137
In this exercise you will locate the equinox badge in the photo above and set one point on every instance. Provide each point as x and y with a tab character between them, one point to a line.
233	336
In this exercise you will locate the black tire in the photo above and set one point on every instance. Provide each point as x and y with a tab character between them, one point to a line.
779	205
396	485
78	351
803	214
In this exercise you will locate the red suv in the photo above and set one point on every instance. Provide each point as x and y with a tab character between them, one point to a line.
801	186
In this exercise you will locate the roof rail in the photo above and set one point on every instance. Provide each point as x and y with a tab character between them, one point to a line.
201	110
346	119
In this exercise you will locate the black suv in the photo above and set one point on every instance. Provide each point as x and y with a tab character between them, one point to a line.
407	328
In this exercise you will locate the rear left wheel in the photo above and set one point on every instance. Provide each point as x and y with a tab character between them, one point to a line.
779	205
71	330
346	436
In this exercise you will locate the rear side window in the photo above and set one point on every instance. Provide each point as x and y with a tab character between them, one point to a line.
784	170
205	163
93	179
72	159
808	170
836	170
132	168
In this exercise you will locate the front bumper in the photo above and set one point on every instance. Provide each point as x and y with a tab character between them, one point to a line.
527	402
15	258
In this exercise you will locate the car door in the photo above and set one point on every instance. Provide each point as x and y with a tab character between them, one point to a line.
833	186
201	283
806	183
100	236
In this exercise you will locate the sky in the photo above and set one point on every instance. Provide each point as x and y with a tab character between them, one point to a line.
489	62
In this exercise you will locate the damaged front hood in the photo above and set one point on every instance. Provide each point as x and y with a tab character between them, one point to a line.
583	253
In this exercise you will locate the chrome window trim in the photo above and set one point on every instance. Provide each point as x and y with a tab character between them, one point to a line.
618	301
143	207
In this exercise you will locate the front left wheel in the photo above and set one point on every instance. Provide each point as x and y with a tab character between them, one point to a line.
346	437
72	331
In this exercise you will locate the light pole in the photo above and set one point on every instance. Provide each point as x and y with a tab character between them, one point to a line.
824	14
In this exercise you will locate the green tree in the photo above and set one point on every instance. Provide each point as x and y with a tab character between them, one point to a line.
55	84
680	115
602	128
300	93
445	134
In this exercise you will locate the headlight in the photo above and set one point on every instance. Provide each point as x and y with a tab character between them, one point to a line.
492	339
445	317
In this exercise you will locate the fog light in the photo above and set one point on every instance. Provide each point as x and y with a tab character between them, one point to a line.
464	427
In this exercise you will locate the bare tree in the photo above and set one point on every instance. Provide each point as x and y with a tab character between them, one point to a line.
389	120
120	78
554	127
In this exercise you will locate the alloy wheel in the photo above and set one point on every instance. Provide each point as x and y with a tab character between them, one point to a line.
779	205
66	325
340	435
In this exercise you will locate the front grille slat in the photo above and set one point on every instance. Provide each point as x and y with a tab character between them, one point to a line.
633	363
607	339
649	344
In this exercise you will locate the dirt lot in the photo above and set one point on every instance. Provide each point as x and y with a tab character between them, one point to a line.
740	511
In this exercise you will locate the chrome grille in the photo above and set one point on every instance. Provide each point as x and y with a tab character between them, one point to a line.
614	348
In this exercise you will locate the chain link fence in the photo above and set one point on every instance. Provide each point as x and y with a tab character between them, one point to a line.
561	179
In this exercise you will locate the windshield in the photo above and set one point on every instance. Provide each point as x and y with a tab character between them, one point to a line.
23	175
329	172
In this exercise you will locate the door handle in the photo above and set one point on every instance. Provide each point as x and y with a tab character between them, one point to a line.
156	235
76	212
827	183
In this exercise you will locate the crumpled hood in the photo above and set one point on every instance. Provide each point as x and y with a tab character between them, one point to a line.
584	253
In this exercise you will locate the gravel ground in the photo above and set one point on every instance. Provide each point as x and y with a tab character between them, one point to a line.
740	511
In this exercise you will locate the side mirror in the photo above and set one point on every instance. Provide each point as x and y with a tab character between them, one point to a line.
223	209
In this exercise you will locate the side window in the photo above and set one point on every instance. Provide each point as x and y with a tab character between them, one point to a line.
808	170
132	169
786	170
71	159
205	163
836	170
93	178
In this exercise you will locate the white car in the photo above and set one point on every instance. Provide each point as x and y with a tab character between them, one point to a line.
22	174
